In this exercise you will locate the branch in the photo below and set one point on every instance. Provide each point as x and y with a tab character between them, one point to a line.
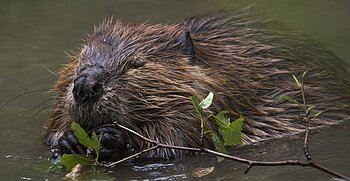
307	119
129	157
250	163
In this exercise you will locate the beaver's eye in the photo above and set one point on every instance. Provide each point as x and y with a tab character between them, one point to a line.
108	40
137	64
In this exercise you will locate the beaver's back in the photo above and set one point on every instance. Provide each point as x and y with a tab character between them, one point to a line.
253	60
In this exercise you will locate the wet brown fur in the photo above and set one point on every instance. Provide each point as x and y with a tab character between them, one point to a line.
247	61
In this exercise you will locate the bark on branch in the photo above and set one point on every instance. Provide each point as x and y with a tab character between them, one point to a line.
250	163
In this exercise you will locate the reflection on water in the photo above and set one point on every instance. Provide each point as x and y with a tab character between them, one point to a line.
35	34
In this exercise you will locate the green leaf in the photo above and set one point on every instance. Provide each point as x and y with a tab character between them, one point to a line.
195	102
207	132
70	160
304	74
84	138
95	144
289	99
219	146
221	119
230	131
235	137
204	104
310	108
297	81
80	133
317	114
232	134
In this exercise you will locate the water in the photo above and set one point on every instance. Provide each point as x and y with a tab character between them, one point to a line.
35	34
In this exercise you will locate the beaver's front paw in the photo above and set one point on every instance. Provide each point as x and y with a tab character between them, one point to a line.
113	145
69	144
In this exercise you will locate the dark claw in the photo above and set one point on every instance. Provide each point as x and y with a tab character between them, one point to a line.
71	138
69	144
110	154
113	145
64	146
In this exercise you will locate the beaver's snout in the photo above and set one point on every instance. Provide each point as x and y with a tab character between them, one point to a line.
86	89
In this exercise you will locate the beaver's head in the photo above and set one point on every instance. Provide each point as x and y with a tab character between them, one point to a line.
128	73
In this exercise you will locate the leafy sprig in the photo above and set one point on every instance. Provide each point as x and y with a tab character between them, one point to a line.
229	132
71	160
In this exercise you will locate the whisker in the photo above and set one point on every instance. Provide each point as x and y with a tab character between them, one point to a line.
53	73
43	102
25	93
41	111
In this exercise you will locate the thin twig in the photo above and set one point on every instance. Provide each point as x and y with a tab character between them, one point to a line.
250	163
307	121
204	122
248	168
130	157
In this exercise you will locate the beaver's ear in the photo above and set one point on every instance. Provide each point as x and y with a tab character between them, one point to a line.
187	45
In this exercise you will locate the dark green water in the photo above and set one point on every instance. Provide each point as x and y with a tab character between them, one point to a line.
35	34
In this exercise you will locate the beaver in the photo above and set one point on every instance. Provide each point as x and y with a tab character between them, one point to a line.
142	76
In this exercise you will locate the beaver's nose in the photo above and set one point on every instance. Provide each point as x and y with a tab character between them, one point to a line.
86	89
